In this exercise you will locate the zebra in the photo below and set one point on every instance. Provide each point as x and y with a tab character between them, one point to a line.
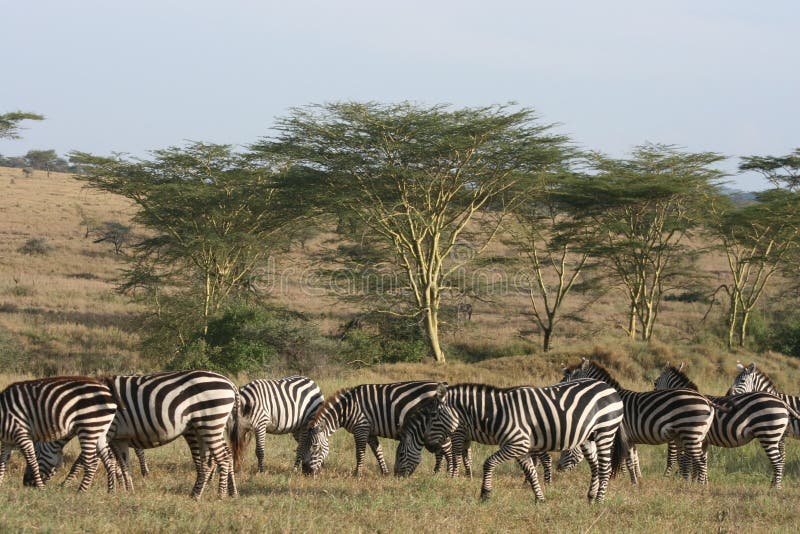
52	409
51	455
412	441
158	408
367	411
281	406
755	415
751	379
655	417
524	420
570	459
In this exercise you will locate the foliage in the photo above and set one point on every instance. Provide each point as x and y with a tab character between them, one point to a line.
36	246
642	208
414	177
382	338
782	171
212	217
9	123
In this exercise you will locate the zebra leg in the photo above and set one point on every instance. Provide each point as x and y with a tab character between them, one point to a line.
508	451
142	461
698	455
632	464
776	458
547	466
221	454
109	463
529	468
672	458
261	438
377	450
73	471
25	445
444	453
121	451
301	437
199	464
466	456
5	454
89	448
590	454
604	447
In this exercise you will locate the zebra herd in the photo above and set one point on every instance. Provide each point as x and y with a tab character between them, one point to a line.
588	415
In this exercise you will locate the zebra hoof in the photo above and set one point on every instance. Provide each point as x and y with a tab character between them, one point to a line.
485	494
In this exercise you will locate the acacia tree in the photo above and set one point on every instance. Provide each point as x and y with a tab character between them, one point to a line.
416	177
9	123
643	207
551	238
210	216
759	238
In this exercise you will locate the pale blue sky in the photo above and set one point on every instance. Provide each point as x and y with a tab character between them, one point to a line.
140	75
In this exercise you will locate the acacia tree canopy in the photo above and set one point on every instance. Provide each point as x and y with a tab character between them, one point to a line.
416	176
9	123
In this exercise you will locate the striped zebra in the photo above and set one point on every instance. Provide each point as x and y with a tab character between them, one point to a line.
570	459
159	408
655	417
525	420
755	415
367	411
412	441
281	406
751	379
52	409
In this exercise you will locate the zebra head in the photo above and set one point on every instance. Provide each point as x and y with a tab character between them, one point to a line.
673	378
746	380
578	371
412	437
442	420
569	459
49	456
317	450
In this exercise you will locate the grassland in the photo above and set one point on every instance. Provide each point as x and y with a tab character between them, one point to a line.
62	312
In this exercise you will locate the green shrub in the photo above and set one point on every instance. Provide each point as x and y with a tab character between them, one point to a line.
383	338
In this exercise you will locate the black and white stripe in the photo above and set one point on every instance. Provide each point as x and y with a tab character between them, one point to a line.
367	411
654	417
751	379
55	409
749	416
158	408
281	406
526	420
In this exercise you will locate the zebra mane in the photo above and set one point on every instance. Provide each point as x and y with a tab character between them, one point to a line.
601	373
330	401
688	383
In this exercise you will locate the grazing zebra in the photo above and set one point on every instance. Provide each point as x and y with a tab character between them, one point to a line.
525	420
281	406
655	417
158	408
52	409
412	441
570	459
752	379
367	411
755	415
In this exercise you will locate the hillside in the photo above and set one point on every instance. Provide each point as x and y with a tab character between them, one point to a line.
62	310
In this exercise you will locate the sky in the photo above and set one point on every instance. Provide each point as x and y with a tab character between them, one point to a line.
706	75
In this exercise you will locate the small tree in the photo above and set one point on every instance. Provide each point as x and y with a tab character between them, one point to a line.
643	207
45	160
416	177
9	123
116	233
551	238
211	215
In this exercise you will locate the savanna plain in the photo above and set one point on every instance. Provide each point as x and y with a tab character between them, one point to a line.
61	308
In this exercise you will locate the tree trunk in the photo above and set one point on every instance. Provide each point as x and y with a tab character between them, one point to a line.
632	322
733	313
548	334
432	330
743	327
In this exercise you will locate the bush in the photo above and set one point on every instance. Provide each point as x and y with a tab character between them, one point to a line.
253	339
382	338
36	246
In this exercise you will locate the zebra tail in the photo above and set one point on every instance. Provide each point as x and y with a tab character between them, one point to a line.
619	450
792	413
235	434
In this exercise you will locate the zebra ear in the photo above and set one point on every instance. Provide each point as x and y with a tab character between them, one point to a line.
739	365
681	366
585	364
441	390
751	367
